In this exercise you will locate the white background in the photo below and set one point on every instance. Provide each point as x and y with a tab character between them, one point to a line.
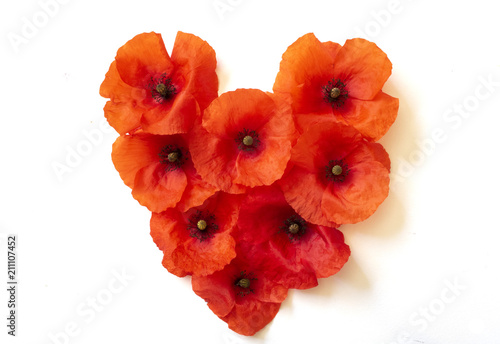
424	268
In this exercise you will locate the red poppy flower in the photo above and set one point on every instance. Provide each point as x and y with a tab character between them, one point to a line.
160	172
242	294
326	82
158	93
244	140
298	251
199	241
337	177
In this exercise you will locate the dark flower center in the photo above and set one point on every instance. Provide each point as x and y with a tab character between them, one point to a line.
335	93
173	157
162	88
243	283
337	171
247	140
201	225
294	227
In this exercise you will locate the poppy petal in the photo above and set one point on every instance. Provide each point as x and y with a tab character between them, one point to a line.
332	47
251	317
379	154
114	88
167	238
363	67
233	111
264	168
325	251
177	119
297	259
214	160
122	117
197	189
304	192
140	58
373	118
204	258
359	197
305	68
157	189
162	229
246	309
216	291
190	250
195	60
324	139
130	154
219	152
165	233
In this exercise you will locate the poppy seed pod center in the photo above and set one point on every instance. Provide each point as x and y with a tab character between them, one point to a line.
244	283
202	225
248	140
337	170
335	92
294	228
172	157
162	89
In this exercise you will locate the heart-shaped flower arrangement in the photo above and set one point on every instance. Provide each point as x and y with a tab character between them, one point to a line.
247	189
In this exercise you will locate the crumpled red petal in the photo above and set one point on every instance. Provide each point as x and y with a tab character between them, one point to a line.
136	158
218	155
297	259
140	58
188	254
141	65
245	311
363	66
321	200
307	68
